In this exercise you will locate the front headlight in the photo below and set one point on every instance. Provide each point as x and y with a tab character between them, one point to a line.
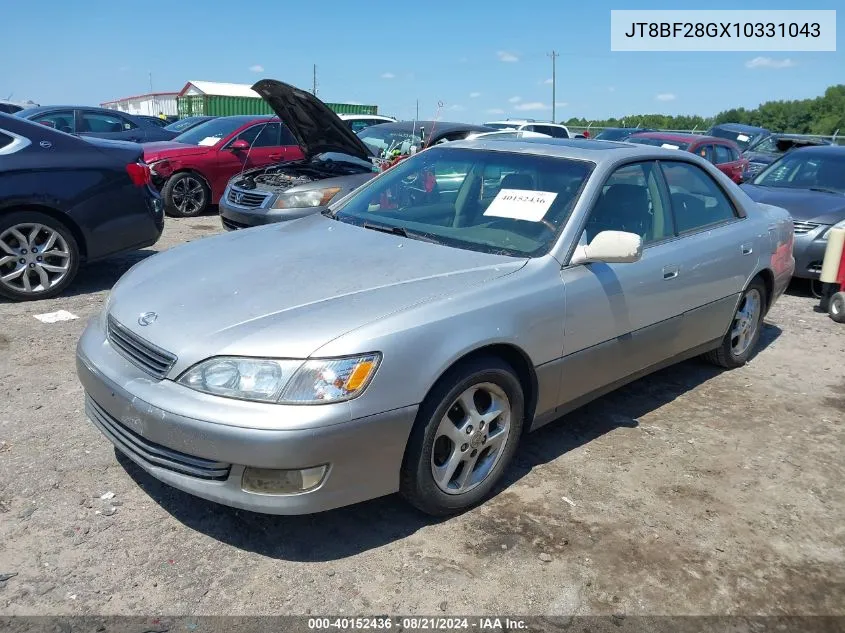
283	381
305	199
838	225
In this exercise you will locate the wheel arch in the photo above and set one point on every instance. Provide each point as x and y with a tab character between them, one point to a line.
768	279
513	356
58	216
193	172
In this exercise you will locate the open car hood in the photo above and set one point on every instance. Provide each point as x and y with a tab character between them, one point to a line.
316	127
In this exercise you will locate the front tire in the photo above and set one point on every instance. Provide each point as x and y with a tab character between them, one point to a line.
744	333
465	435
39	256
836	307
185	195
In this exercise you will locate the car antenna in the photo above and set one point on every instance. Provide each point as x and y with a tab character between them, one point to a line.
433	123
246	160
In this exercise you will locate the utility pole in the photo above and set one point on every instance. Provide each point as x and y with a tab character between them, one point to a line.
417	118
314	88
151	82
554	56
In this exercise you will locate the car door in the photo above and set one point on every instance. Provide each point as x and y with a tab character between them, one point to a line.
108	125
623	318
62	120
715	258
728	161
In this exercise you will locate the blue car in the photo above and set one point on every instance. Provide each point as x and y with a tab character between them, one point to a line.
97	122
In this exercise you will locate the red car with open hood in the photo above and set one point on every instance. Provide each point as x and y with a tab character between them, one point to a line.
193	169
723	153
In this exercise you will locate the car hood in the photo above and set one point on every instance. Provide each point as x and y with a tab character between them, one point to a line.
760	157
803	205
168	149
316	127
285	290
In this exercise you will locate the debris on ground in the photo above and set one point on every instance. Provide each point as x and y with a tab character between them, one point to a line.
56	317
7	576
546	558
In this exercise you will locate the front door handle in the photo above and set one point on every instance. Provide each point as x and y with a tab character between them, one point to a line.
747	249
670	272
275	157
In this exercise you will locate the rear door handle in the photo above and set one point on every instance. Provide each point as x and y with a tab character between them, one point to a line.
747	249
670	272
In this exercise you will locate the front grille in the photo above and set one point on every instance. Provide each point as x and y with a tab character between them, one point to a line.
232	225
153	360
246	198
805	227
151	453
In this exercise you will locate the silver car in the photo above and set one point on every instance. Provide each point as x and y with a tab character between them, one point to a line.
405	339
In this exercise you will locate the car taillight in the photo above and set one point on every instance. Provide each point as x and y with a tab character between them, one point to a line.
139	173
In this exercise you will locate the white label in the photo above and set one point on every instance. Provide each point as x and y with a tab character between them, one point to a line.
209	140
521	204
742	138
55	317
669	146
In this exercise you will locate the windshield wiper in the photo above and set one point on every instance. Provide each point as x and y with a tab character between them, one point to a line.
825	190
398	230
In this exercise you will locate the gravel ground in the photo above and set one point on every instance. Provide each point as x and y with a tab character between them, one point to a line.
692	491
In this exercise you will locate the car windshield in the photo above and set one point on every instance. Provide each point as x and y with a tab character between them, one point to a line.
614	134
489	201
183	124
797	170
386	140
743	139
659	142
210	132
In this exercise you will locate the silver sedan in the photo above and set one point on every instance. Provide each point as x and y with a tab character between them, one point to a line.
406	339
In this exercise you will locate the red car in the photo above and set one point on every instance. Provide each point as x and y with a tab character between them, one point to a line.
723	153
193	169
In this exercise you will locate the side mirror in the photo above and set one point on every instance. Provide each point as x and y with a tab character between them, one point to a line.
239	146
610	247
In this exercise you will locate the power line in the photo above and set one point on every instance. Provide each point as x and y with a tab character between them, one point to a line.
554	55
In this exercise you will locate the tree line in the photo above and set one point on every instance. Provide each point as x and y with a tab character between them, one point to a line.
821	115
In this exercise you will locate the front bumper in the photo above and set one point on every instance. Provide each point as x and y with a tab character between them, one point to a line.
207	459
809	253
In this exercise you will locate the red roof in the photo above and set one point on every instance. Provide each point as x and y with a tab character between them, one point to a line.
678	137
149	94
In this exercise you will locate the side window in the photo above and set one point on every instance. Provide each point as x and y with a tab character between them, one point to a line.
359	124
261	135
697	201
722	154
102	123
286	138
5	140
705	151
552	130
61	120
631	201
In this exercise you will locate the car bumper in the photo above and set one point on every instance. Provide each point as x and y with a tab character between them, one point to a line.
809	255
208	459
235	217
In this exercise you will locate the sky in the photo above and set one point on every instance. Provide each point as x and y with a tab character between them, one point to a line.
481	61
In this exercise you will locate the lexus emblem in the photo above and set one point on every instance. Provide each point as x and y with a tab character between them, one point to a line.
147	318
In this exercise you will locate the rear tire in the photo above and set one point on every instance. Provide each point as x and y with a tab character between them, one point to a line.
744	332
464	437
185	195
39	256
836	307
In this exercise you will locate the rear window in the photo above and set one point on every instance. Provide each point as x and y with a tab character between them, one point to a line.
659	142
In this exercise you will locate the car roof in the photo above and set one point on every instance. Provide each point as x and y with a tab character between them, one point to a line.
821	150
352	117
573	148
681	137
524	122
740	127
438	126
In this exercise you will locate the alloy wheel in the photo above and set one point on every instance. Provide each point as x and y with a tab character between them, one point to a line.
33	258
746	322
188	195
470	438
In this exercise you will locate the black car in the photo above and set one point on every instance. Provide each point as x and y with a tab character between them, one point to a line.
746	136
98	122
770	148
620	133
65	200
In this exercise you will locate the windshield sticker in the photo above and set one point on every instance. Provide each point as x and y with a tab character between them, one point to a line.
669	146
742	138
209	140
520	204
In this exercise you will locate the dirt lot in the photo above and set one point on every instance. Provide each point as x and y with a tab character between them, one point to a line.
693	491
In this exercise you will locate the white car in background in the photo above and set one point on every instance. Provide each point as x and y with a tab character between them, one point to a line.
530	125
358	122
